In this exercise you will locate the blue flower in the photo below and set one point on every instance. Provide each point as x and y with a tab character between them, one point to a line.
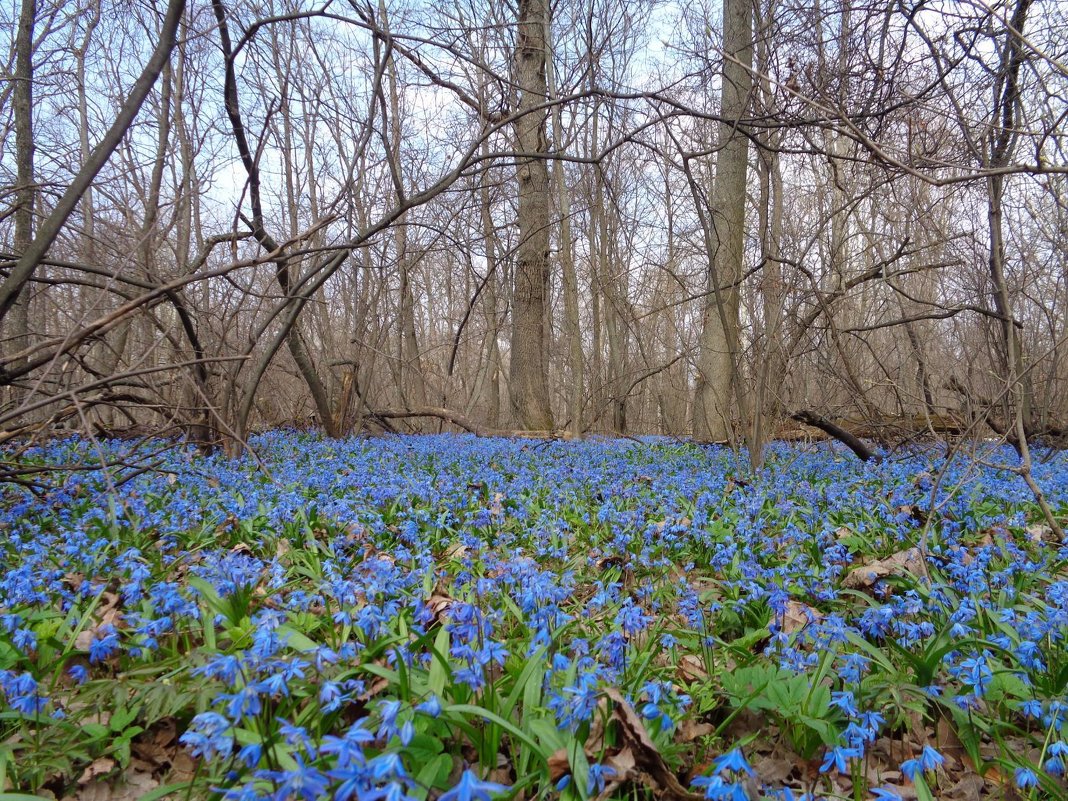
471	788
304	781
930	759
838	759
598	774
911	768
25	640
250	754
207	736
1025	778
104	643
716	789
733	760
431	706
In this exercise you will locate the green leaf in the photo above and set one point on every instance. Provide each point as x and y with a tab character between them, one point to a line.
826	731
123	717
533	669
751	637
1006	685
923	792
546	730
428	744
296	640
433	774
96	731
438	672
209	593
580	767
511	728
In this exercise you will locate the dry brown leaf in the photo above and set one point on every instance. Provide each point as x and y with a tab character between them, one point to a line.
949	745
622	770
1040	532
151	753
772	769
94	791
664	784
165	732
635	760
133	785
456	551
606	562
501	773
691	669
902	563
375	688
75	580
183	768
106	613
97	768
798	615
622	763
969	788
558	765
690	730
439	606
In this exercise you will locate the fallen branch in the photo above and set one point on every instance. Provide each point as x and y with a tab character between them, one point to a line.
854	443
461	421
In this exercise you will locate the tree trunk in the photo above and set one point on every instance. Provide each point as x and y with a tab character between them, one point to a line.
529	367
17	334
572	323
412	385
491	392
721	333
1001	144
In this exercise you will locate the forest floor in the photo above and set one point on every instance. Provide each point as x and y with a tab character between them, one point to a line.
460	618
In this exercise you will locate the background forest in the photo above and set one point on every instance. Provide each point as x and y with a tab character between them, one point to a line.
628	217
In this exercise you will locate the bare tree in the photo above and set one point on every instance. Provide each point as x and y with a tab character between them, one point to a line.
529	357
717	368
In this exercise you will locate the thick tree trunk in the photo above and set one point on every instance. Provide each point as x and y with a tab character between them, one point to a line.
17	334
720	335
529	368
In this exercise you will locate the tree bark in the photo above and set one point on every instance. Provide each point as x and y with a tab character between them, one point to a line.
572	323
1000	146
17	335
491	394
529	364
720	334
412	384
851	441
